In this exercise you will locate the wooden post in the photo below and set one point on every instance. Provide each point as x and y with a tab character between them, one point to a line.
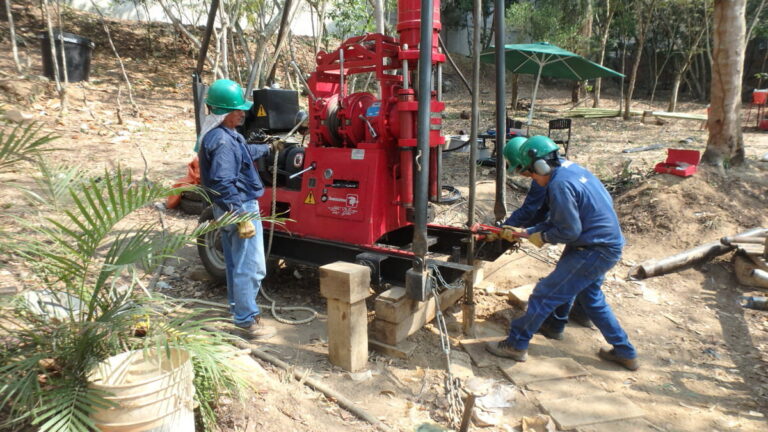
346	286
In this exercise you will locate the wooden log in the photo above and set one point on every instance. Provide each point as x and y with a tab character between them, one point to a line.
692	256
419	314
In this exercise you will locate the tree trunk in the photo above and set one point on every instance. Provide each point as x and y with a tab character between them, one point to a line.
645	12
603	45
726	144
675	88
12	29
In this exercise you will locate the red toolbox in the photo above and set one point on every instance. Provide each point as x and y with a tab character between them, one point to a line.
681	163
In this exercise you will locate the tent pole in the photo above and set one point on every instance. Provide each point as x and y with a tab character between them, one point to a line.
533	100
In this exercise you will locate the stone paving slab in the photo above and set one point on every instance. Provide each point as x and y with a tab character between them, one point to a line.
563	388
634	425
543	369
580	411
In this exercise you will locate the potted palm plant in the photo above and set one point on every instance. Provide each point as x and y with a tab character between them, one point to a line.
89	245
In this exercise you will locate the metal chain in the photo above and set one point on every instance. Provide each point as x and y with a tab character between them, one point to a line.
452	385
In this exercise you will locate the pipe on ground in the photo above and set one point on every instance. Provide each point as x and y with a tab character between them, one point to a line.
692	256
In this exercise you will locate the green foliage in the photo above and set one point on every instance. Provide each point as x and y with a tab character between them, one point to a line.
550	21
22	143
88	257
350	18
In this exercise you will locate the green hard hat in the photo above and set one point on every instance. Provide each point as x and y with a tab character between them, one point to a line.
512	153
535	148
225	96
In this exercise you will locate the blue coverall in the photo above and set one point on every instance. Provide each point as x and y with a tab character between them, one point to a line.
533	211
226	169
581	216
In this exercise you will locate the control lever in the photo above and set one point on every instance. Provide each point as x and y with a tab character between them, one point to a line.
310	168
370	128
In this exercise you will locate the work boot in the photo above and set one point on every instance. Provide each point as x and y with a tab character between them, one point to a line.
578	316
258	330
550	333
627	363
505	349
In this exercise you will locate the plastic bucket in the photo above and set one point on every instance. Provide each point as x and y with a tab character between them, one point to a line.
77	50
153	391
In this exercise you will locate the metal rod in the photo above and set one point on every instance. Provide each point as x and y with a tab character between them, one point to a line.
453	63
207	37
468	315
422	137
500	206
406	72
303	80
469	405
341	75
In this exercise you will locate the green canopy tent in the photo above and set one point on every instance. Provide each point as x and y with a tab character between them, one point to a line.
544	59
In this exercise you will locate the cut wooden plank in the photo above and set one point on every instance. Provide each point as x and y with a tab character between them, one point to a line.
682	116
345	281
403	350
588	410
543	369
348	334
419	314
760	262
564	388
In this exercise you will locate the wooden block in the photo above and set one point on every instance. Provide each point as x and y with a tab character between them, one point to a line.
543	369
348	334
345	281
392	305
419	313
519	296
403	350
587	410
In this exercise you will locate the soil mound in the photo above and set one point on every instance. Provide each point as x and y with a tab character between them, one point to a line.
689	211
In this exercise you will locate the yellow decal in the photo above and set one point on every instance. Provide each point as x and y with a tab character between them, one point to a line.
310	199
262	112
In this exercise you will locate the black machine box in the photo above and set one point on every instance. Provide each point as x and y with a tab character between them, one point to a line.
275	109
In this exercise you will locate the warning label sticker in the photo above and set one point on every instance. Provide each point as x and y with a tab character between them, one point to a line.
261	112
310	199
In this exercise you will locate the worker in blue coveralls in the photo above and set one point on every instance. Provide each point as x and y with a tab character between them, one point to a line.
534	210
581	216
226	169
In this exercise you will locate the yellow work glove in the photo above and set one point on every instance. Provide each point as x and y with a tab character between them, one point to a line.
511	234
536	239
246	229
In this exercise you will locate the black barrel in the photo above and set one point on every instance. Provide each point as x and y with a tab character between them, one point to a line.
78	54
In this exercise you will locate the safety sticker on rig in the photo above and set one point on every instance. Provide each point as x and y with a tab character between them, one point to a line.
262	112
310	199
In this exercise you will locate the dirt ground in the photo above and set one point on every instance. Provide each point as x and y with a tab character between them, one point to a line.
704	358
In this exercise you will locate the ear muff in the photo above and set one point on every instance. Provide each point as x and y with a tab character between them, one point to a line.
541	167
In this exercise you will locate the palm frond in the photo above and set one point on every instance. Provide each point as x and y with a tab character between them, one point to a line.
68	409
22	143
52	186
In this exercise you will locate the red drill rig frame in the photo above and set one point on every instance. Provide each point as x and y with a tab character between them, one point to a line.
360	190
